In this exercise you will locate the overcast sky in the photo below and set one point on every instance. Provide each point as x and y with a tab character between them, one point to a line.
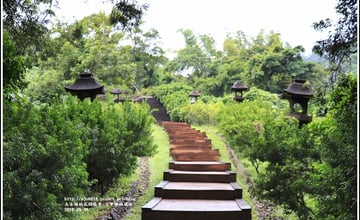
292	19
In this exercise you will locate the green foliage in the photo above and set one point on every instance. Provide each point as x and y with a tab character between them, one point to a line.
316	163
173	96
264	62
127	13
117	135
245	126
255	94
65	147
157	164
201	113
215	86
67	58
335	138
111	65
93	44
43	160
265	135
286	180
53	151
13	64
25	21
44	86
147	56
197	57
341	42
274	69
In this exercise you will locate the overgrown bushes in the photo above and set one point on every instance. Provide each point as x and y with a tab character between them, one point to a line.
66	149
176	100
173	96
310	171
277	149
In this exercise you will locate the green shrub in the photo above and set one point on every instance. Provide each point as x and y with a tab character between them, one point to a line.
201	113
173	97
43	160
117	134
59	150
310	171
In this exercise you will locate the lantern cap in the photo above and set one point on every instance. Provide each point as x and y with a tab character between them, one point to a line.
85	86
239	86
298	87
84	82
194	93
116	91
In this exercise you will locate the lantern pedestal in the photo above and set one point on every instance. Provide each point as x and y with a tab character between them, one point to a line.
239	86
194	95
298	93
118	92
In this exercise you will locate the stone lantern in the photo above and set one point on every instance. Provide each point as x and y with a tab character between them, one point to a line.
298	93
118	92
194	95
239	86
85	86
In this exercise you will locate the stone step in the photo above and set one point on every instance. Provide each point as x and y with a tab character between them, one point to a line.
198	176
173	126
187	135
196	157
185	130
189	138
198	190
199	165
197	185
176	127
190	147
196	209
158	110
190	141
189	151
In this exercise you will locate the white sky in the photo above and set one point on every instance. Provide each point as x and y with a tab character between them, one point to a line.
293	19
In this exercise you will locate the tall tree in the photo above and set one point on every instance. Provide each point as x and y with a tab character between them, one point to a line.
196	57
23	30
127	13
25	23
13	65
147	56
272	65
335	138
342	40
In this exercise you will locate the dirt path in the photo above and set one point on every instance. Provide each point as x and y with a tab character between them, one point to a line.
264	209
136	190
143	181
144	175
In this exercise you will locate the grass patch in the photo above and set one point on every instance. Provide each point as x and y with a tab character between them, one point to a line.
121	188
219	143
157	164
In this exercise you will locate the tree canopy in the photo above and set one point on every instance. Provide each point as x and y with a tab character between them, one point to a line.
343	37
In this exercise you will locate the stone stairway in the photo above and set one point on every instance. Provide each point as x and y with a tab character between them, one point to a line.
158	109
197	185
